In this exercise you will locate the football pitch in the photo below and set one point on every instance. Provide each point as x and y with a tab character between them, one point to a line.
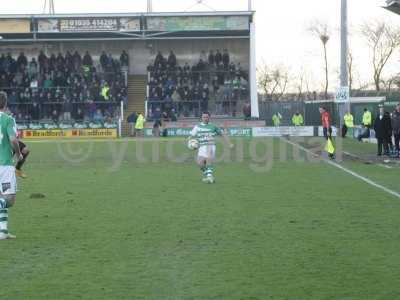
132	220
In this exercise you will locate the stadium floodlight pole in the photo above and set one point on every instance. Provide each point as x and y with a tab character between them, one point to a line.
149	6
344	77
250	6
253	71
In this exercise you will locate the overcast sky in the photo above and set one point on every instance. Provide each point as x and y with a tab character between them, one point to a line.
282	36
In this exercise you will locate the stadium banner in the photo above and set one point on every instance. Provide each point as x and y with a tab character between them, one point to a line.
240	131
321	131
282	131
184	132
89	25
48	25
69	133
206	23
92	24
15	26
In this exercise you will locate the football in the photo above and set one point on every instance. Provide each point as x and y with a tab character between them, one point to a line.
193	144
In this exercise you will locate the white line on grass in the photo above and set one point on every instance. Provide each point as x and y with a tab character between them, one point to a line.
385	166
334	164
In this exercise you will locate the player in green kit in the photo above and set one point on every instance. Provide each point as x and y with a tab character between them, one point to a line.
205	133
8	183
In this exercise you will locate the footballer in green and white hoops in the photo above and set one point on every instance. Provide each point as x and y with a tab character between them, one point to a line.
205	132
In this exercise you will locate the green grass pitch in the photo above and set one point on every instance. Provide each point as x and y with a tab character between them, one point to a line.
127	220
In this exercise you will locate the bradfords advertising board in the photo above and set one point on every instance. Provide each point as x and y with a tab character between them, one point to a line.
282	131
69	133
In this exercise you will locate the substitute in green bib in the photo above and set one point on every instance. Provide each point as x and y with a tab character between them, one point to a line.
348	123
297	119
8	182
366	125
205	133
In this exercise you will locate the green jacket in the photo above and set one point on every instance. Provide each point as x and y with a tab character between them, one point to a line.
367	118
348	120
276	119
297	120
140	122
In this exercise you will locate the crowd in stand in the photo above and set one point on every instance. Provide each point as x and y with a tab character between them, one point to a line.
188	89
64	87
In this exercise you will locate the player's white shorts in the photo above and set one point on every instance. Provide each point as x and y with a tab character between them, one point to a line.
207	151
8	181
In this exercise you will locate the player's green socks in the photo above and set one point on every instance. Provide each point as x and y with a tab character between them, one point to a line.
3	216
203	170
209	171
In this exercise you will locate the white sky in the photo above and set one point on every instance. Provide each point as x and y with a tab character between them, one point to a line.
282	36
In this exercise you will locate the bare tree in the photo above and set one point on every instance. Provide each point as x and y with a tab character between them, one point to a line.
300	83
272	81
383	39
322	32
350	68
389	82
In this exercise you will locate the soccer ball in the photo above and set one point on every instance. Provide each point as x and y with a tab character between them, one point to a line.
193	144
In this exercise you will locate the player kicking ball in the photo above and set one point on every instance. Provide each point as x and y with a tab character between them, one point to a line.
205	134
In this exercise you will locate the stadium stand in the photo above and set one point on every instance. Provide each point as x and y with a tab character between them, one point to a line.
65	88
214	82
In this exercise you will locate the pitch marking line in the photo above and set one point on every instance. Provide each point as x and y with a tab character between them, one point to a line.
336	165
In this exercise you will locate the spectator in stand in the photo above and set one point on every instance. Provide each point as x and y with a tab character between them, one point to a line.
218	58
42	58
13	97
54	116
22	61
247	111
204	101
172	60
157	122
203	56
131	120
79	115
60	61
159	59
87	59
98	116
33	67
211	58
225	59
105	91
35	111
77	59
67	109
124	59
139	126
91	109
69	61
103	60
